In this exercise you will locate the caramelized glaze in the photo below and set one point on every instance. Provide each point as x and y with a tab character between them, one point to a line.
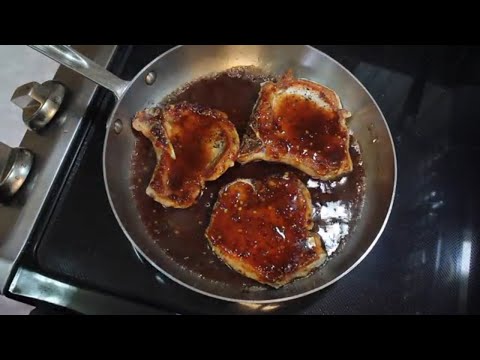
262	228
180	232
302	124
193	143
307	132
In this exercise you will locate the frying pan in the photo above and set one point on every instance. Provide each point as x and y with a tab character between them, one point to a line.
181	65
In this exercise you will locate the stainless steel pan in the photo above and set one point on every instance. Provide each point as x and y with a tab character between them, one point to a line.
183	64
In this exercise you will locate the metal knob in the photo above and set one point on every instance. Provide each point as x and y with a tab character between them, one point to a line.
39	102
15	165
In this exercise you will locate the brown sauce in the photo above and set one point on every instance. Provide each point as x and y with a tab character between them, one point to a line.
180	232
263	224
308	132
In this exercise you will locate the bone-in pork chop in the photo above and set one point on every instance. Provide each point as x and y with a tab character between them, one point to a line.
193	144
300	123
262	229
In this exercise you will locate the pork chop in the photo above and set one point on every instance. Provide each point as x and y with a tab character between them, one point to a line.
300	123
262	229
193	144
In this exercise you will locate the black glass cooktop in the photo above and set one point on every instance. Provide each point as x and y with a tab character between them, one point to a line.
426	261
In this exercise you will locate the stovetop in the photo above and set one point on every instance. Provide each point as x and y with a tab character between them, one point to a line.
426	261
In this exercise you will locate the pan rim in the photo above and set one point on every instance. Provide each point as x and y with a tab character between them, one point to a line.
239	300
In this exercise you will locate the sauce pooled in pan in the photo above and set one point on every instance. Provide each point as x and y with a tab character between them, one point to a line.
180	232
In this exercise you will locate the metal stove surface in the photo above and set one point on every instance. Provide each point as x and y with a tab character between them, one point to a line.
426	261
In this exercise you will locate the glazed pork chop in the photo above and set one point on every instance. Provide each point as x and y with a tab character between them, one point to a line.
193	144
262	229
300	123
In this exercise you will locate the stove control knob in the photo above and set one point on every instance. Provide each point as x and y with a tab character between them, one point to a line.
39	102
15	165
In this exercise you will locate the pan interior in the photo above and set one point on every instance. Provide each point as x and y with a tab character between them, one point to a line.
187	63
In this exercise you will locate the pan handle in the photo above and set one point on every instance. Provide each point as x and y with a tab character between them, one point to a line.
67	56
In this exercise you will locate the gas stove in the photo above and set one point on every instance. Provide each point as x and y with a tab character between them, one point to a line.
65	247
